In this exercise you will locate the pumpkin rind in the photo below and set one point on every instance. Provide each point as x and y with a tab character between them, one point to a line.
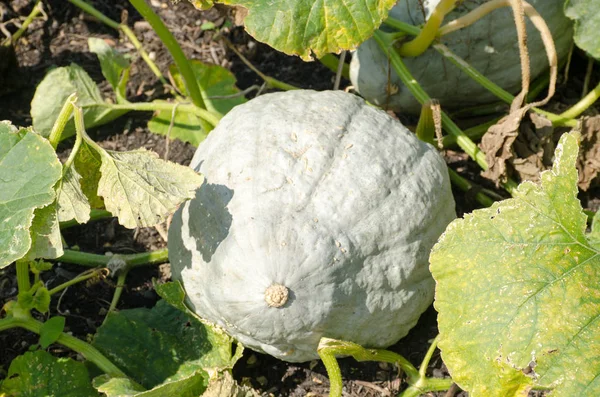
489	45
324	196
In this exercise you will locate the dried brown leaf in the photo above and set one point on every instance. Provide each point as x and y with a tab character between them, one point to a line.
497	145
588	163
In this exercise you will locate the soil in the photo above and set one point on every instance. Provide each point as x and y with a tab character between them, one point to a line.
59	38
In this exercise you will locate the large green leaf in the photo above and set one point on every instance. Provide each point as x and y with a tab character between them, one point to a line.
29	169
518	291
39	374
586	14
299	27
143	190
52	92
162	345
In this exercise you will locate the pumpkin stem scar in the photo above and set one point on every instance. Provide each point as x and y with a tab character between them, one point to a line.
276	295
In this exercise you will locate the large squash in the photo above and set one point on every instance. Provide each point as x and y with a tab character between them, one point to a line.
490	46
316	219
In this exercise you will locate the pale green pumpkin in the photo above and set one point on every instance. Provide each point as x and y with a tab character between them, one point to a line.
316	219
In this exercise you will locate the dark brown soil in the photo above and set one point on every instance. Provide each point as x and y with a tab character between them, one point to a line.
60	39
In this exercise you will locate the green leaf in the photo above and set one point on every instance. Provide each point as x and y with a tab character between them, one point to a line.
51	330
39	374
216	82
587	21
37	298
219	92
72	202
299	27
143	190
115	66
29	170
88	161
192	385
174	294
46	240
39	266
186	126
518	291
161	345
53	91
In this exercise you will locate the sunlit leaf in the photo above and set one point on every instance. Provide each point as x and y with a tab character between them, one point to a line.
29	169
52	92
39	374
143	190
518	291
301	27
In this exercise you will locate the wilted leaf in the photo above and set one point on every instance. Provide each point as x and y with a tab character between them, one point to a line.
72	202
518	291
299	27
497	145
51	94
143	190
29	169
587	22
588	164
161	345
192	385
39	374
226	386
88	162
46	241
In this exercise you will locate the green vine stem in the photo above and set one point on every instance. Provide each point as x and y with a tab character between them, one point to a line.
37	9
128	33
179	57
581	106
86	350
421	43
505	96
272	82
330	348
23	282
462	140
131	260
95	215
118	290
211	117
88	274
62	120
332	63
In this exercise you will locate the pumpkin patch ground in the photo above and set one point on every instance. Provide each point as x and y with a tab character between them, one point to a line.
59	37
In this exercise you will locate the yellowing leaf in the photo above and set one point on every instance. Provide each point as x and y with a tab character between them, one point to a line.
143	190
300	27
518	291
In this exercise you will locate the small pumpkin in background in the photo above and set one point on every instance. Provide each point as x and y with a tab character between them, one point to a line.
489	45
316	218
